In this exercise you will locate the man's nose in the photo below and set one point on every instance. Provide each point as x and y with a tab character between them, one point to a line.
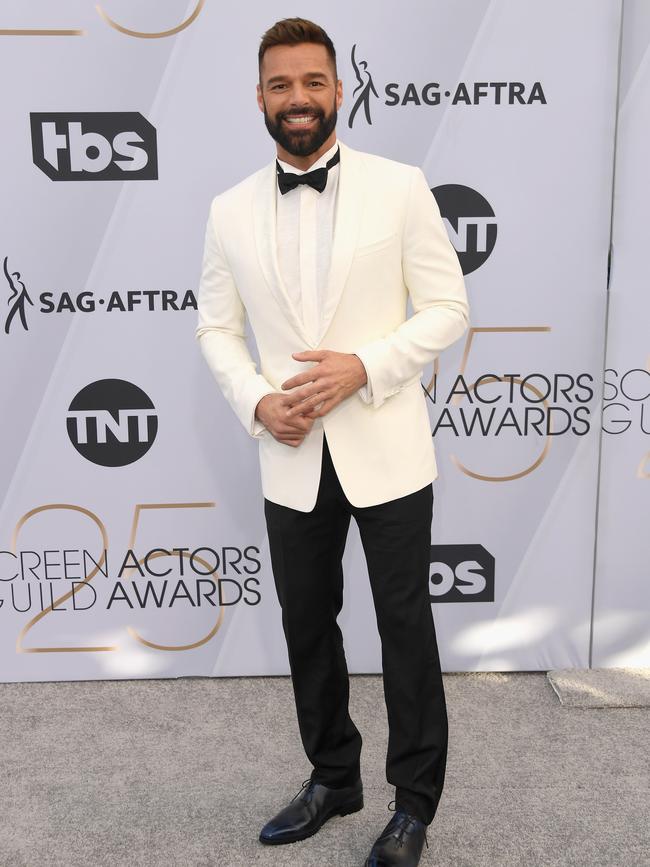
299	96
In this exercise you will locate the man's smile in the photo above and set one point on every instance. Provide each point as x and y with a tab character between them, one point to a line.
303	118
300	120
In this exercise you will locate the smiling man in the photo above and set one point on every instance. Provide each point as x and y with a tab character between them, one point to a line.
339	241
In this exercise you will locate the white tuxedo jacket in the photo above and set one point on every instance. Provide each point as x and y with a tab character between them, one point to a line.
389	243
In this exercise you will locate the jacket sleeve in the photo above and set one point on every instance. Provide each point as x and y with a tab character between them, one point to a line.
434	280
221	333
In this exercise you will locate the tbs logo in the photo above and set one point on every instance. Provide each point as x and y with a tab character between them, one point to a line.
94	146
112	422
461	573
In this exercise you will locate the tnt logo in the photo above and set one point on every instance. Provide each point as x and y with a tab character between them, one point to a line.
112	423
470	222
461	573
94	146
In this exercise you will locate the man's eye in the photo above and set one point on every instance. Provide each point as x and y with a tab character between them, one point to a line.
278	86
317	83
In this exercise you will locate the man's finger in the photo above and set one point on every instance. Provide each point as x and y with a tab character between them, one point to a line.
288	431
324	409
310	355
297	424
296	397
301	378
293	441
306	405
299	398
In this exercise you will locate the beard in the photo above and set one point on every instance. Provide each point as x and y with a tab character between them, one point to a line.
300	142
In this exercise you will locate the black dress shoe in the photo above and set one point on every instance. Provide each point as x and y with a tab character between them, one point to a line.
309	810
400	843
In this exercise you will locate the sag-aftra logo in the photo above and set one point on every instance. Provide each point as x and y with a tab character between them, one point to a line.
394	94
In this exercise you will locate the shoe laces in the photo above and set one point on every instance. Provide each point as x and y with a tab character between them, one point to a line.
404	824
305	785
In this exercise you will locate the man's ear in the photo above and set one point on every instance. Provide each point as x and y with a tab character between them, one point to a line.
339	94
260	98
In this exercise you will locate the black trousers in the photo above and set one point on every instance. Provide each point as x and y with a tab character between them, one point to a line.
306	552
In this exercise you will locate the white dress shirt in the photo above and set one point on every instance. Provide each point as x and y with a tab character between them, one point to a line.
305	227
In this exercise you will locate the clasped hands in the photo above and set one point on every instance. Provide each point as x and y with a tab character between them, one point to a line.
335	376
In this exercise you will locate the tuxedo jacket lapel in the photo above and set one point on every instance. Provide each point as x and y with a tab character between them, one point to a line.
347	219
265	230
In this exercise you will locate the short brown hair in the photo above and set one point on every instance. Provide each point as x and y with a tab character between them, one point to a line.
293	31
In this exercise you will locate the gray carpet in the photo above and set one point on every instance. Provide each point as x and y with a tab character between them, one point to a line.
159	773
602	687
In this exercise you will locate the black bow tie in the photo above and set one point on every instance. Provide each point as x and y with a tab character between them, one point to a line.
316	178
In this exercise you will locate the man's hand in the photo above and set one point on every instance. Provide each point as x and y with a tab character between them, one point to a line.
335	376
272	411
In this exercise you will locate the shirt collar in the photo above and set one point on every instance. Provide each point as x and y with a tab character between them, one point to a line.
317	165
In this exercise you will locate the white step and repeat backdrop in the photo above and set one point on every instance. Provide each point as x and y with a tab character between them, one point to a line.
132	538
621	634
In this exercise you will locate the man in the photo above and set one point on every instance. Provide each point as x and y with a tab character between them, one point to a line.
321	250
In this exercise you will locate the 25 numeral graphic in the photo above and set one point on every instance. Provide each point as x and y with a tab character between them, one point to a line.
138	34
20	646
469	342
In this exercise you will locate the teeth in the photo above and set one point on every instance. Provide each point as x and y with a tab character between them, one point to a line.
299	119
